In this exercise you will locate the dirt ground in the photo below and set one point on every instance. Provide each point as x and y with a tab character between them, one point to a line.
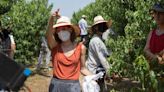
38	82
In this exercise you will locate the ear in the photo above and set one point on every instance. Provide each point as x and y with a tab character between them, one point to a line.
109	23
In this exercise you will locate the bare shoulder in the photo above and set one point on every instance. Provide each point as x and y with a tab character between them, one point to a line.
83	48
150	33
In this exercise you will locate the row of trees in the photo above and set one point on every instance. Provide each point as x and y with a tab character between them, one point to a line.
132	22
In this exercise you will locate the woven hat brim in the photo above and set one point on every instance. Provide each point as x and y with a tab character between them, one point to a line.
75	28
99	22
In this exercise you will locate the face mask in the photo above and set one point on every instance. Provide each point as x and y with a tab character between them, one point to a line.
64	35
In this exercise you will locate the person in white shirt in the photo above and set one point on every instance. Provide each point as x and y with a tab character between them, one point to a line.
13	46
83	29
45	54
8	45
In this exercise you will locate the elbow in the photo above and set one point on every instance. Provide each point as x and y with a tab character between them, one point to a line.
85	71
146	50
82	69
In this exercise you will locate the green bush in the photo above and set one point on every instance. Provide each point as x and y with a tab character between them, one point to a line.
28	20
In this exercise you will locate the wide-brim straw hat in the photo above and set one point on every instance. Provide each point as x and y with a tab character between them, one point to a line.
65	21
99	19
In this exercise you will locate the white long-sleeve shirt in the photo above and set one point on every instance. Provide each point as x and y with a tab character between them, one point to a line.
97	54
83	26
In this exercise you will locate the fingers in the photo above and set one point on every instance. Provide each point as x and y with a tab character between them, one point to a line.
162	52
161	62
163	56
159	58
56	13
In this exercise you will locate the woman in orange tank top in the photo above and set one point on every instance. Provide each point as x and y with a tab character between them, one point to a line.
68	57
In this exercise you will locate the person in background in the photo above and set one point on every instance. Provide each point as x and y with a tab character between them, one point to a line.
8	45
45	54
154	48
68	56
83	29
97	51
13	46
108	32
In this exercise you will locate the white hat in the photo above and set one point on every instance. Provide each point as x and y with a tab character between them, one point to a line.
62	21
83	16
65	21
98	19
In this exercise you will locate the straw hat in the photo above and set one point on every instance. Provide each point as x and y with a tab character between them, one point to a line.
98	19
65	21
83	16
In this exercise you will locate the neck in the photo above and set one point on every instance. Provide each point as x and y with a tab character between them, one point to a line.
161	27
99	34
66	43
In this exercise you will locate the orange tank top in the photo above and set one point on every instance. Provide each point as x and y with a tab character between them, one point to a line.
66	67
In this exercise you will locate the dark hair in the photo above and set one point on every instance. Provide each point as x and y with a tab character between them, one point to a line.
159	7
72	37
1	35
0	24
101	27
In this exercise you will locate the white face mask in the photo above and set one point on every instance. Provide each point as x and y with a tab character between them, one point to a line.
64	35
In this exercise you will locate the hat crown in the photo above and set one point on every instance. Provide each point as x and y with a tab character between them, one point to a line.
63	19
83	16
98	19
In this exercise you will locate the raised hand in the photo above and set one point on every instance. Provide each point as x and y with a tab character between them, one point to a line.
56	13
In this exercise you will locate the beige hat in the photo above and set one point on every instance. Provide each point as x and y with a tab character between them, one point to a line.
98	19
65	21
83	16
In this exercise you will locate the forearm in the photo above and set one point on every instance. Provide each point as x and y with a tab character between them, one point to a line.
105	65
85	71
104	62
49	33
50	27
152	56
161	53
49	39
149	54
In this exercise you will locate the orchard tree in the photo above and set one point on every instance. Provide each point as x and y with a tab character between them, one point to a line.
28	21
5	5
